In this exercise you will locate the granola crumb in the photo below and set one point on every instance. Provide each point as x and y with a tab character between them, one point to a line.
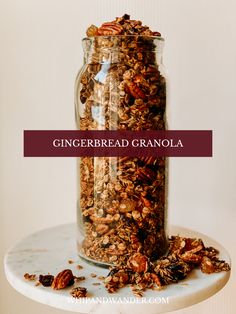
70	261
96	284
79	267
93	275
80	278
30	277
79	292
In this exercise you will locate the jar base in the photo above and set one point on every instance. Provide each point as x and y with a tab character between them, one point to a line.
104	264
90	260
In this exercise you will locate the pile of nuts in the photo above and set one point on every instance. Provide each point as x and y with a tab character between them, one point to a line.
123	200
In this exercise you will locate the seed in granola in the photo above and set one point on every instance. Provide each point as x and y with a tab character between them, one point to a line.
46	280
79	292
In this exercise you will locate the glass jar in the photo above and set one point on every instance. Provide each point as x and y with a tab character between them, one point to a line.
122	201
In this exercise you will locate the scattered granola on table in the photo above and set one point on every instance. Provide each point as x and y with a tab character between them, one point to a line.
123	200
185	254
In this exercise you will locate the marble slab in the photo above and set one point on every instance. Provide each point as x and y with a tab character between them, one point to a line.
48	251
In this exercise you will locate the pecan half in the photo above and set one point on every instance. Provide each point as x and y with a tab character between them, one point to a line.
110	29
64	279
138	263
134	90
92	31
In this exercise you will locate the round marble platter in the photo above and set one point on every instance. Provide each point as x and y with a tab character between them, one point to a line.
48	251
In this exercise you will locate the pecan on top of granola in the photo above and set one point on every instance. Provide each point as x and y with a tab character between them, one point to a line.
121	26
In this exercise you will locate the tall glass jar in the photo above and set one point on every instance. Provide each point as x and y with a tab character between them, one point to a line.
122	201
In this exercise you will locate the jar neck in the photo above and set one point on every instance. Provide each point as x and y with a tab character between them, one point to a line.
128	49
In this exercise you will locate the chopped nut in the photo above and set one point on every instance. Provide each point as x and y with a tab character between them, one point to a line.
30	277
207	266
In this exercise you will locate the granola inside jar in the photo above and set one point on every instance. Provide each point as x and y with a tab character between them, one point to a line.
122	201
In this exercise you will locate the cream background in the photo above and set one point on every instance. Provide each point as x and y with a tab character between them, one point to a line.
40	54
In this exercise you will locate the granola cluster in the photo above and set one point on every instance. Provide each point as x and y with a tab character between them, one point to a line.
123	201
184	255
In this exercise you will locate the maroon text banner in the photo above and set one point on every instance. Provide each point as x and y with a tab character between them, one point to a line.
172	143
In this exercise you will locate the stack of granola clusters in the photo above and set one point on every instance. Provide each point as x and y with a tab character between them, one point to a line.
123	201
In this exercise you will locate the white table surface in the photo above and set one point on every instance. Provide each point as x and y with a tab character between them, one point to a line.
48	251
